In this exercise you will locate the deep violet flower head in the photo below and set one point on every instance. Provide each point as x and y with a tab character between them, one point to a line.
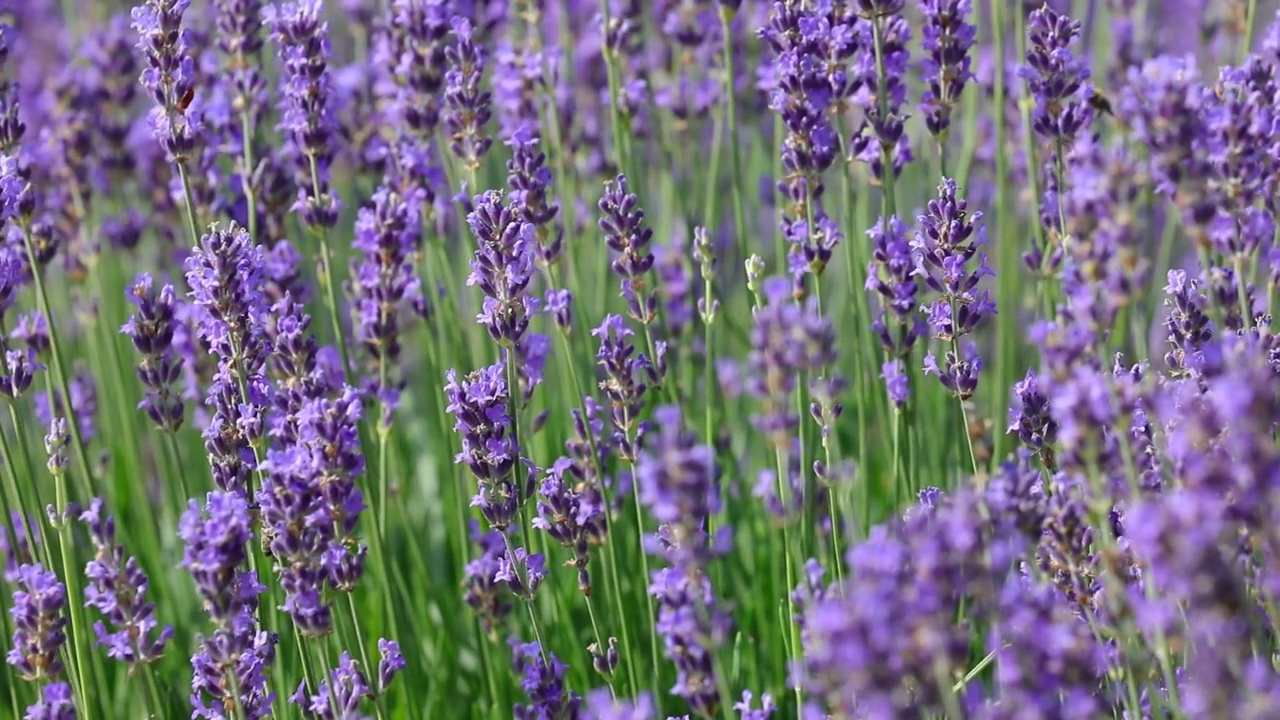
384	282
239	37
467	103
1048	663
390	663
530	181
882	136
1055	77
416	47
947	246
628	235
339	695
949	35
678	480
542	680
39	602
626	375
216	546
891	277
503	267
788	338
55	703
169	76
151	329
226	275
479	404
19	370
308	115
573	517
117	588
812	81
488	597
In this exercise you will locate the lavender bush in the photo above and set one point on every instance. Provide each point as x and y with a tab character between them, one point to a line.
640	360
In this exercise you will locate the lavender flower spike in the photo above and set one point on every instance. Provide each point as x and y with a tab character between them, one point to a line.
55	704
948	37
117	588
308	117
170	76
151	329
1055	77
467	104
38	620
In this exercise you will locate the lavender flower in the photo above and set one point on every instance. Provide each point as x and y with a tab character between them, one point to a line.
747	711
678	481
20	367
530	181
1055	77
882	136
627	234
503	267
151	329
946	244
338	696
1029	417
418	32
237	654
542	679
517	80
55	703
467	105
55	445
601	705
479	403
216	540
112	56
948	38
390	664
225	274
812	49
627	376
298	531
484	594
1047	660
383	278
33	331
787	339
1190	329
37	611
239	37
573	518
117	588
308	117
170	76
891	275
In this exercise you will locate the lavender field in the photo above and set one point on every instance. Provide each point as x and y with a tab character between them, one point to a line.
639	359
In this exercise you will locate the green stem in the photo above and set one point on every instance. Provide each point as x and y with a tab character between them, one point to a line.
55	349
246	179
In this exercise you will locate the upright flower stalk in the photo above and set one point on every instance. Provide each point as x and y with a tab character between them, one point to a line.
948	38
239	24
948	245
170	78
309	120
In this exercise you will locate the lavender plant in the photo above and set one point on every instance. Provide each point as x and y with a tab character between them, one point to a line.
602	359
